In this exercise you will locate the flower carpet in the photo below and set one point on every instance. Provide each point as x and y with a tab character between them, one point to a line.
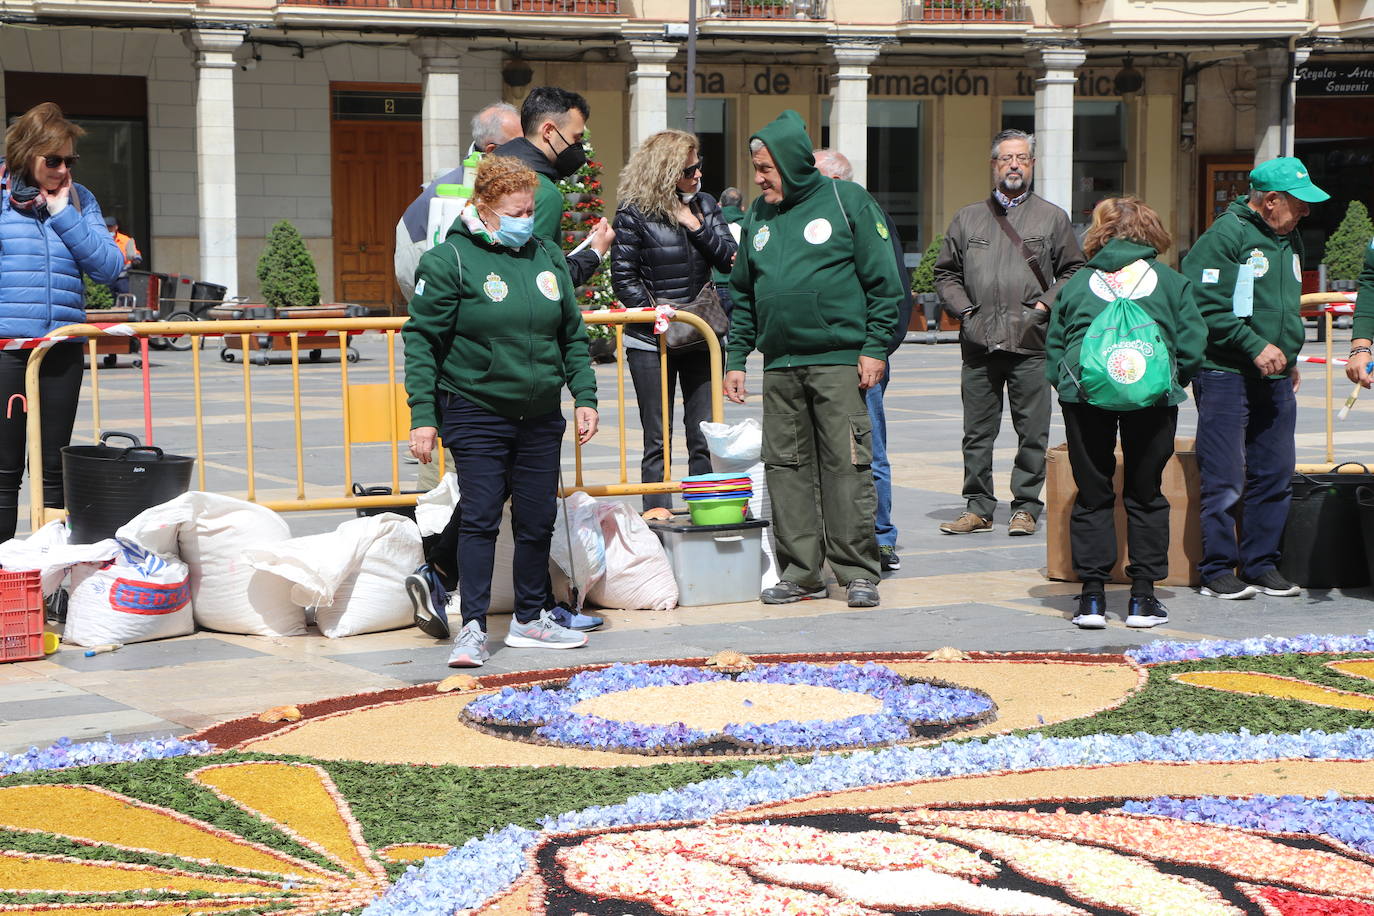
1221	777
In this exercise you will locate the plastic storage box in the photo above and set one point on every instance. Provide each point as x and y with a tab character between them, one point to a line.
21	615
714	564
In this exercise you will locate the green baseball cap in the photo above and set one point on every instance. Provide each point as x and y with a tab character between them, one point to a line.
1289	175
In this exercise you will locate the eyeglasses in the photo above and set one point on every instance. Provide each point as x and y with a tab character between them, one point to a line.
1023	158
53	162
691	170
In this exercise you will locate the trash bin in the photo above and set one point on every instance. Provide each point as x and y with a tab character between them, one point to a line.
1323	544
205	296
146	287
714	564
105	486
365	511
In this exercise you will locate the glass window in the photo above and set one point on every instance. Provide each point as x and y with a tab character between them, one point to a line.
1099	150
713	130
114	166
894	166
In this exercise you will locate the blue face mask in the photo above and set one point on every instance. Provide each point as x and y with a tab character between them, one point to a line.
515	231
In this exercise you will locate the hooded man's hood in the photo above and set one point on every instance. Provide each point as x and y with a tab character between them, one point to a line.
790	146
1117	253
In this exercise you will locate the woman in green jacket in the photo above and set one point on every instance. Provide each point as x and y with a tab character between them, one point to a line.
1122	244
494	336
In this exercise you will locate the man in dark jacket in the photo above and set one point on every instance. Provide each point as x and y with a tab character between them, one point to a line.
1002	263
1248	270
816	291
554	121
834	164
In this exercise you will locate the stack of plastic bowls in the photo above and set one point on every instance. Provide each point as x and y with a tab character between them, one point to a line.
717	499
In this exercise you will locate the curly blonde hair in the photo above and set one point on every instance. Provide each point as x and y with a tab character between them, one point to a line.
1125	218
40	131
650	178
498	176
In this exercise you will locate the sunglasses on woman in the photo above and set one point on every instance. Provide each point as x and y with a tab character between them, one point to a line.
53	162
691	170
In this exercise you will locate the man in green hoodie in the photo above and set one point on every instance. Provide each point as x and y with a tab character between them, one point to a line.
816	291
1248	271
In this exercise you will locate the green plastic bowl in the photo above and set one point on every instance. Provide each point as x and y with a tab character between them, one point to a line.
718	511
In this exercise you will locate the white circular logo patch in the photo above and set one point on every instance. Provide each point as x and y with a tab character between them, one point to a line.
1297	268
1135	281
1125	365
761	237
548	284
817	231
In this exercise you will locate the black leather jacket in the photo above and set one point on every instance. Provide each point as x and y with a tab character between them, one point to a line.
653	260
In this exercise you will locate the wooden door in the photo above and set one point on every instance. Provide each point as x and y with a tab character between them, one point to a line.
376	167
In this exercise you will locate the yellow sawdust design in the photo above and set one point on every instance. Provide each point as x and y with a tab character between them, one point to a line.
413	852
297	797
83	814
158	908
48	873
1355	667
1254	683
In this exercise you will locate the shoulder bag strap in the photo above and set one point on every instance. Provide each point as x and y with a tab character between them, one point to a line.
1005	225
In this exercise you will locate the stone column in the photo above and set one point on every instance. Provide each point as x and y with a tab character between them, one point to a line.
849	103
1056	74
1275	99
442	127
649	89
216	181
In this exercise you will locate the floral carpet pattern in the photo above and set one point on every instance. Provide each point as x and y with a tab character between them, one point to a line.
1234	778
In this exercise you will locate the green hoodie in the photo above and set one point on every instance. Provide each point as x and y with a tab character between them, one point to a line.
1239	236
815	282
1168	298
497	326
1364	302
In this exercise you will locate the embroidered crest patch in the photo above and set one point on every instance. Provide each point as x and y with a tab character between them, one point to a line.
548	284
882	230
495	288
761	237
1258	263
1211	275
420	287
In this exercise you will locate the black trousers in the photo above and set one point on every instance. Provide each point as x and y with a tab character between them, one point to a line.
1147	444
499	458
691	371
59	388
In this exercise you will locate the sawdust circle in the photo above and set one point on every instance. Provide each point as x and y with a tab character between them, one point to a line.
714	705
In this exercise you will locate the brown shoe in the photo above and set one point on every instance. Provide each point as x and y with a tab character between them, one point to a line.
969	523
1022	523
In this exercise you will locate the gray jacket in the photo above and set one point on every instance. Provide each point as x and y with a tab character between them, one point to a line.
979	269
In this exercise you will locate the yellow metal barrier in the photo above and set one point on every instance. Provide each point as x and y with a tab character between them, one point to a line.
293	330
1315	303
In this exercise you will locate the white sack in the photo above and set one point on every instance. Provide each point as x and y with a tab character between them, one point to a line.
738	449
47	550
210	533
433	511
435	508
136	597
638	574
354	576
578	549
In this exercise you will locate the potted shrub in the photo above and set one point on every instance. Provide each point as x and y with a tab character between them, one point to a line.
97	296
923	285
1344	254
286	270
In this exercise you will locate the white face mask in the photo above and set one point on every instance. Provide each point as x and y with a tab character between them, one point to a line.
686	197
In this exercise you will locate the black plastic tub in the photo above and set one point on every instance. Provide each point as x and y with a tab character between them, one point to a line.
105	486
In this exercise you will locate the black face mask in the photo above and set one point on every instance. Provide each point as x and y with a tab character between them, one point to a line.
573	157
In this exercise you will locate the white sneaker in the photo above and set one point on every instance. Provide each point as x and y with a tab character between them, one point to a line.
470	648
543	633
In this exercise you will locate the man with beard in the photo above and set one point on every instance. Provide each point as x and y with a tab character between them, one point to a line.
1002	263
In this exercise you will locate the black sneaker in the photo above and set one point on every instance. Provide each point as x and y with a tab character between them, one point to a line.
1092	611
861	593
1145	611
429	599
786	592
1228	586
887	555
1271	583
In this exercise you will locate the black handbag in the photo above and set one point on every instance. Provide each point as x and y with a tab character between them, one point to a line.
706	306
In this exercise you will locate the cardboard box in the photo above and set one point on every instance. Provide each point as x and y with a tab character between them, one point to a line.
1182	488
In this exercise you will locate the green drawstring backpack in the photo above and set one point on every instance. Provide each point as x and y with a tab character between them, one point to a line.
1124	363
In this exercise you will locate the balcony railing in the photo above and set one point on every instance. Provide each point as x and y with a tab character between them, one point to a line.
563	7
763	9
965	11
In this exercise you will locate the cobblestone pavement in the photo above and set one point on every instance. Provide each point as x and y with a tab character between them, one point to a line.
983	591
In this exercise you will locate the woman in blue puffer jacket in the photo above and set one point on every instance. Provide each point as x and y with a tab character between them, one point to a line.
51	232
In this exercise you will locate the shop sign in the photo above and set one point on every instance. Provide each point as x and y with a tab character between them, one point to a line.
963	82
754	80
1336	78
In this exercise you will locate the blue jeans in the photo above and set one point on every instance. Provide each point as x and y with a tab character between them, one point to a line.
882	470
1245	453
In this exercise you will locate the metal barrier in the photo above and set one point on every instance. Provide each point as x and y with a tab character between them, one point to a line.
1325	306
292	330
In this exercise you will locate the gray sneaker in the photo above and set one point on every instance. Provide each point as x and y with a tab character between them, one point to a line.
543	633
470	648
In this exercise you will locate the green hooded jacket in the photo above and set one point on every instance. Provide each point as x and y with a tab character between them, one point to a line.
497	326
731	215
1364	302
1168	297
1239	236
814	283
